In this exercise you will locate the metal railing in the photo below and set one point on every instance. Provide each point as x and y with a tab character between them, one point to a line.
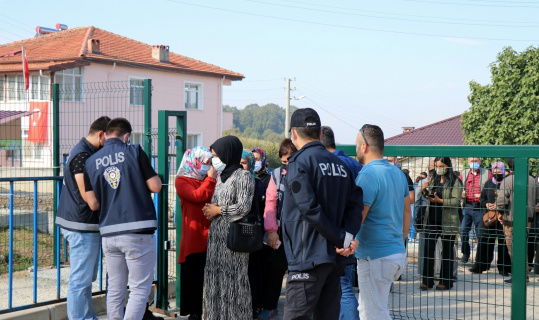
474	296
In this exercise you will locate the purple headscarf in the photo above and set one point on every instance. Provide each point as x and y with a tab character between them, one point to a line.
500	165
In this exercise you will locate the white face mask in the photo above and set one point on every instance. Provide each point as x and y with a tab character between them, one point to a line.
440	171
204	169
258	166
218	164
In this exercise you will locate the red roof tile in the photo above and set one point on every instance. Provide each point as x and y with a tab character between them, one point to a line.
445	132
69	46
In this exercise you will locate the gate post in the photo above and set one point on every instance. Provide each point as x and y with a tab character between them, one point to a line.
55	162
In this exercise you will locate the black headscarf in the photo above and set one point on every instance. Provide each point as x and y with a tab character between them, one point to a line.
229	150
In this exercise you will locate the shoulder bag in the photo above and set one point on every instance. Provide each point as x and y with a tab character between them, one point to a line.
245	235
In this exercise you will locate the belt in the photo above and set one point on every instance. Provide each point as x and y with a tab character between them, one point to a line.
474	204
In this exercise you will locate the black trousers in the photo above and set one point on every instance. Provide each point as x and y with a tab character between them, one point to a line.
485	250
256	277
315	292
446	270
275	267
192	283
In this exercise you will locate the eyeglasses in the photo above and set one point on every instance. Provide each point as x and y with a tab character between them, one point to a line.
363	134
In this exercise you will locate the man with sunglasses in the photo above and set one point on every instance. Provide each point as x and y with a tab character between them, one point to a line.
386	220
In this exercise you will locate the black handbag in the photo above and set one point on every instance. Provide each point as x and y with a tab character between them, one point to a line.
245	235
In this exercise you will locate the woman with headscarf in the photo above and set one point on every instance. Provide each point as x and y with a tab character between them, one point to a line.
195	184
488	235
226	284
256	259
261	166
442	221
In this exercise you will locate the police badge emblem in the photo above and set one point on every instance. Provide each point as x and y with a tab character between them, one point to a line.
112	174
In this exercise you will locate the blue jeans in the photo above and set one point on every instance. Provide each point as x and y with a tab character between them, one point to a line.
471	215
348	299
84	260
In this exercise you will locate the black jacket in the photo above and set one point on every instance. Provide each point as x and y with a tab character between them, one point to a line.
320	205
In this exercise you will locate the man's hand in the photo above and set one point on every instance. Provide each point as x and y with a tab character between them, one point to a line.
273	239
348	251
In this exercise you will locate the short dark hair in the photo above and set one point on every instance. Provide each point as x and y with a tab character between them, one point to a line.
309	132
375	137
99	125
328	137
119	127
287	148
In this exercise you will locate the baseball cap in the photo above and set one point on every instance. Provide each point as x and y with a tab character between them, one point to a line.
305	117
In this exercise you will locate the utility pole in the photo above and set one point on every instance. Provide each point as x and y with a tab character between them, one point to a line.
287	112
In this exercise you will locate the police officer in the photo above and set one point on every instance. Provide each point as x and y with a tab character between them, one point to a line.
81	225
119	180
321	212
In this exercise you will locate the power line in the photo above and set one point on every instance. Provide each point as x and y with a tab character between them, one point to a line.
16	26
471	4
24	24
351	27
399	19
407	15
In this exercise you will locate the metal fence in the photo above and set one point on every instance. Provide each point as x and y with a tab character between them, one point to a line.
38	130
473	295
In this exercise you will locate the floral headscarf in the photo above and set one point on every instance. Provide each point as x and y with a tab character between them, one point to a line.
192	160
250	158
500	165
264	168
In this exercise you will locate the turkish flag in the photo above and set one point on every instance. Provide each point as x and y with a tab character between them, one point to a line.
26	72
37	131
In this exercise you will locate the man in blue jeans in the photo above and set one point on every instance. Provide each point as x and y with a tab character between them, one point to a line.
348	299
81	225
473	178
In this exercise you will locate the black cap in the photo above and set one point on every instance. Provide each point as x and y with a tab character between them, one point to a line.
305	117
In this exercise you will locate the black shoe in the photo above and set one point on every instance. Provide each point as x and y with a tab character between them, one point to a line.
510	280
148	315
194	317
474	270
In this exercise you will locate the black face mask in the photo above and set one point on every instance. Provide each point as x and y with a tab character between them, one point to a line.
285	166
498	177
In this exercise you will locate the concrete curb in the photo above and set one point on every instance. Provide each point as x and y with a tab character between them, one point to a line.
56	311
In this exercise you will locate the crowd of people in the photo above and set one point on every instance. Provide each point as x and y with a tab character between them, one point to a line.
327	220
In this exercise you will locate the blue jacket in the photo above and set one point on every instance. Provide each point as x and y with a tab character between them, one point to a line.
73	212
352	163
119	186
320	205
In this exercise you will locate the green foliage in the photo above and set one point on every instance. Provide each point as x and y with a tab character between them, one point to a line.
506	111
271	149
259	122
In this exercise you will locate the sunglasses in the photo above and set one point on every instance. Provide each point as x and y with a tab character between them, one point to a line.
363	135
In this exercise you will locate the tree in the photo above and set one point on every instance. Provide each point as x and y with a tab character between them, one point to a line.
507	110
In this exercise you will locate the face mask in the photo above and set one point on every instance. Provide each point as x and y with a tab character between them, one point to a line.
204	169
285	166
218	164
498	177
474	165
440	171
258	166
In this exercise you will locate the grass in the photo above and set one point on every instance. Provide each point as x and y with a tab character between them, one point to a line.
23	249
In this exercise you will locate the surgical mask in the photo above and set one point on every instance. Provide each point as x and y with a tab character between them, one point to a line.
474	165
498	177
204	169
258	166
218	164
440	171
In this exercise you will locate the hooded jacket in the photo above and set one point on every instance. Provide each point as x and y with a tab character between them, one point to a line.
320	205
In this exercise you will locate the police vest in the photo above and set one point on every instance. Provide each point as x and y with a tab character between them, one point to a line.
126	205
73	212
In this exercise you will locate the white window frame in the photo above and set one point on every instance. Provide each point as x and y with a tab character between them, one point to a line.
129	82
33	151
16	81
200	101
43	89
199	142
71	89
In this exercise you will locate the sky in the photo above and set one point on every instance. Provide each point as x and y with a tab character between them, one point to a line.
394	63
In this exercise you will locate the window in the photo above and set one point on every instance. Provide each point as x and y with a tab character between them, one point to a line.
193	96
193	140
2	84
15	88
70	81
136	92
137	138
31	150
39	87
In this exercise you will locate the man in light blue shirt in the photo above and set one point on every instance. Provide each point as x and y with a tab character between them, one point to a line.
386	220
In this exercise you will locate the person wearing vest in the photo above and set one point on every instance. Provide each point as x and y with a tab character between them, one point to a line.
119	181
274	255
349	302
81	225
474	179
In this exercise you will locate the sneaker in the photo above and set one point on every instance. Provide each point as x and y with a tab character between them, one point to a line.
266	314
